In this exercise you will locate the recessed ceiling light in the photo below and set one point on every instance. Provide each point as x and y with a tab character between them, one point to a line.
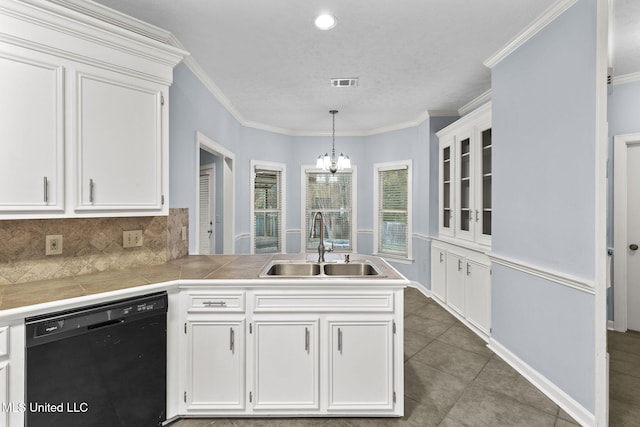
325	22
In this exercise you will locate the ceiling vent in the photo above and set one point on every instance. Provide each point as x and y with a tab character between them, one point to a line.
345	82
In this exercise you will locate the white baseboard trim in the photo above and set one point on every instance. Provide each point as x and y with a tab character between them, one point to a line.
610	325
420	287
562	399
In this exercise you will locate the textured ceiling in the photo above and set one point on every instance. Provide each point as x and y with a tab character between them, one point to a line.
274	67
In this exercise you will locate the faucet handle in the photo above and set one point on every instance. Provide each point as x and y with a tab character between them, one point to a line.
346	258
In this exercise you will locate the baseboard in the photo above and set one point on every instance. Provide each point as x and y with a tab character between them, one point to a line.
562	399
610	325
420	287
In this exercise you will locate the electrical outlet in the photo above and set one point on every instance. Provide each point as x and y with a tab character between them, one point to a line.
184	232
53	245
131	238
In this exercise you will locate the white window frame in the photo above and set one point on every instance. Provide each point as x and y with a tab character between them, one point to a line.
304	234
277	167
381	167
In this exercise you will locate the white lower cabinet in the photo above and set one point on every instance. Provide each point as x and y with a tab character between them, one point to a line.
216	360
361	365
461	281
310	352
286	365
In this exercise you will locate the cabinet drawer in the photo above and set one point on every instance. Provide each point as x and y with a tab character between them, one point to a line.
4	341
216	302
319	302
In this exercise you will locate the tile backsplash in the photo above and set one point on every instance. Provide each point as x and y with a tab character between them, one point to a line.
89	245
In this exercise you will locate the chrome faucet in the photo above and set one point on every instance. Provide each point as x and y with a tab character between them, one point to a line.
313	235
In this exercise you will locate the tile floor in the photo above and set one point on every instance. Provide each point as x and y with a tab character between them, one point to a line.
624	378
451	380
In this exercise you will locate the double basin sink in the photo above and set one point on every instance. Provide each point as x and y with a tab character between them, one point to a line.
356	269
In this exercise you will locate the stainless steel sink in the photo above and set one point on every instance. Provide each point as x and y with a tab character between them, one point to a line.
291	269
301	269
351	269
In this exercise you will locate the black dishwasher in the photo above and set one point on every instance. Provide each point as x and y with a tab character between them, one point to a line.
103	365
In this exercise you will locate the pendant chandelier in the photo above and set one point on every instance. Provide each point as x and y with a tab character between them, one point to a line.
333	163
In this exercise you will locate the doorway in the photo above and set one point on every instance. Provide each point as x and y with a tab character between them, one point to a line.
626	202
219	202
207	208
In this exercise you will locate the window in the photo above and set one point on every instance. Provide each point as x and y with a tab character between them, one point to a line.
268	208
392	183
332	195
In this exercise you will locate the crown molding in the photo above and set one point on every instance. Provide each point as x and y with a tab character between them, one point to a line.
443	113
548	16
483	98
626	78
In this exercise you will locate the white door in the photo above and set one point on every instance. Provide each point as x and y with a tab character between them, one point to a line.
286	364
216	365
361	365
633	236
206	229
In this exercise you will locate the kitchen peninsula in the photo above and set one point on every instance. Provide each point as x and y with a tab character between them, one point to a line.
241	344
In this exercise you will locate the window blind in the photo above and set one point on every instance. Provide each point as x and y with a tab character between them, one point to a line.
331	194
393	214
267	211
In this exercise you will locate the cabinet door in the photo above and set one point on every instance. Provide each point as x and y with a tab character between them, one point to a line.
361	365
119	144
464	185
286	364
216	362
455	282
32	135
478	295
4	394
446	199
439	273
483	208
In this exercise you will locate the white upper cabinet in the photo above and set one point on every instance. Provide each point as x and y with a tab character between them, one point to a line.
31	134
84	109
119	143
466	177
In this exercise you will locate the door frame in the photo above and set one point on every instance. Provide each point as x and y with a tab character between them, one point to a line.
620	145
202	142
210	170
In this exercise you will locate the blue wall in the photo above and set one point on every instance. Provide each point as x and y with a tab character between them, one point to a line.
193	108
544	110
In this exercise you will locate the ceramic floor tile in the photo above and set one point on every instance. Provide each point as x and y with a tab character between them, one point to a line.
623	362
436	391
623	414
462	337
628	342
482	407
624	388
453	360
425	326
413	343
564	423
499	377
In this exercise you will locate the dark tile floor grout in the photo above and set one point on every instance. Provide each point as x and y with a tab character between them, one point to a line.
451	380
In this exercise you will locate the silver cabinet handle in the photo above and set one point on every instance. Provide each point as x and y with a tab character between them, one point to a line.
232	342
459	265
468	269
306	339
340	340
477	215
46	190
91	191
214	303
441	257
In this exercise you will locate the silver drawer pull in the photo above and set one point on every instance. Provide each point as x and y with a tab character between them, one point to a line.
340	340
215	303
306	339
46	190
91	184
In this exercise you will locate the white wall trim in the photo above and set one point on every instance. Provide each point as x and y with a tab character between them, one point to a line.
421	236
483	98
544	273
553	392
626	78
547	17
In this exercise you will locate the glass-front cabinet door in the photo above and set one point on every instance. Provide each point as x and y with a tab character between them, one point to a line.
484	208
446	188
465	183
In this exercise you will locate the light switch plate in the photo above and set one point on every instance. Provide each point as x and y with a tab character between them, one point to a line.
53	245
131	238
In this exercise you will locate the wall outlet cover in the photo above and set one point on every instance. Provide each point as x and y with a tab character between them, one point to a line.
53	244
131	238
